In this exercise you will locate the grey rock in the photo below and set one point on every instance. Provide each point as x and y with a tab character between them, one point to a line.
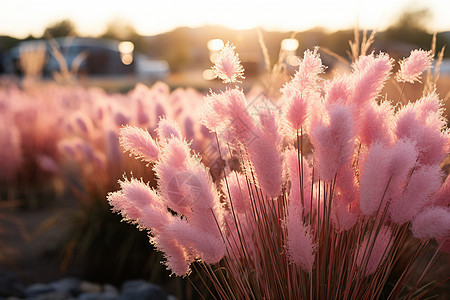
108	288
71	285
54	295
10	286
38	289
89	287
99	296
142	290
133	284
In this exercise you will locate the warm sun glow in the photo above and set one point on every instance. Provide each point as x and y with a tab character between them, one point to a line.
22	17
289	44
215	45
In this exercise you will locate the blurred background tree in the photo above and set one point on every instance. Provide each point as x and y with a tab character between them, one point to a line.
120	29
61	28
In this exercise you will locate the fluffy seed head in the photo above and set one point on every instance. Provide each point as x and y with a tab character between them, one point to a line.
227	65
412	67
433	222
139	142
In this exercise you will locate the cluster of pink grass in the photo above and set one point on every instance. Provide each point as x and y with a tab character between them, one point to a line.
54	134
334	183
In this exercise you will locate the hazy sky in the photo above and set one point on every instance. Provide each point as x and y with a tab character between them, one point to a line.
23	17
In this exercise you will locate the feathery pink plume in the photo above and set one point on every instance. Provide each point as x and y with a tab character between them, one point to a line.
344	216
265	153
227	65
370	75
433	222
376	123
295	108
412	67
337	90
198	244
299	243
346	184
423	183
429	110
177	260
187	187
83	123
227	115
317	113
239	192
422	124
383	173
142	115
113	151
333	142
307	77
140	204
176	154
167	129
371	257
139	142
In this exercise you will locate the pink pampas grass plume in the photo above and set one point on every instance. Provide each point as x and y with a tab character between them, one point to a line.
383	172
423	183
239	192
167	129
300	245
376	124
265	152
139	142
82	123
338	90
334	142
227	115
295	108
176	258
412	67
371	72
344	216
198	243
307	77
139	204
433	222
423	123
371	257
227	65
